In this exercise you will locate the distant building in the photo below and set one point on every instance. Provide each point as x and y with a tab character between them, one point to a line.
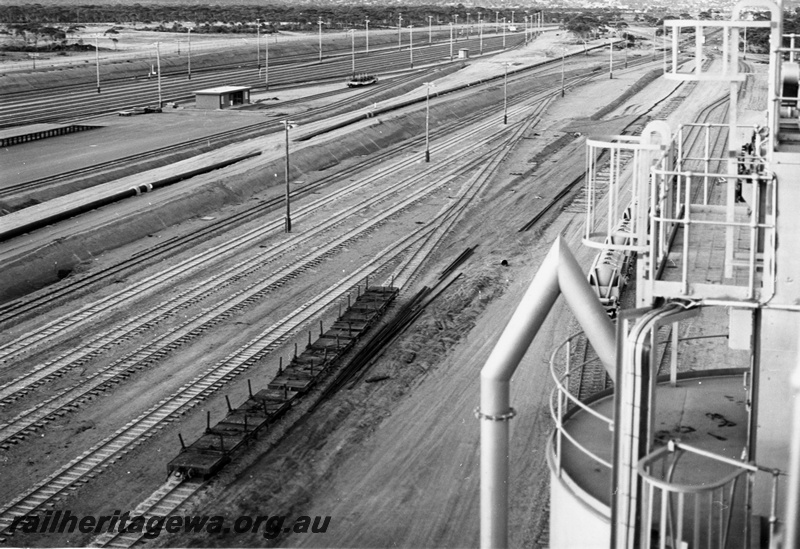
222	97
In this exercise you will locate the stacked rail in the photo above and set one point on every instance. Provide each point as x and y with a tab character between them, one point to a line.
213	450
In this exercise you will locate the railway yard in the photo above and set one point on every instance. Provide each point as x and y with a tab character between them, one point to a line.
185	316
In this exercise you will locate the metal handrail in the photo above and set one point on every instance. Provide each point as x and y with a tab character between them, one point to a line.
560	397
670	488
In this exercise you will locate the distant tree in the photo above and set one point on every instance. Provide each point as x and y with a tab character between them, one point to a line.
583	25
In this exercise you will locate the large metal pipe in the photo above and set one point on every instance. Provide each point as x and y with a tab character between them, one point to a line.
792	519
559	274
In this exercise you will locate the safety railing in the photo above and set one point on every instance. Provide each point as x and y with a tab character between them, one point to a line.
565	402
684	509
680	207
612	204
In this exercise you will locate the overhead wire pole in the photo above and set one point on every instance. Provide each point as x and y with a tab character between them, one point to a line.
504	33
258	46
97	61
189	66
287	221
505	94
451	40
353	50
411	46
428	87
399	31
367	38
480	24
625	45
430	30
496	22
562	71
610	57
319	23
266	64
158	68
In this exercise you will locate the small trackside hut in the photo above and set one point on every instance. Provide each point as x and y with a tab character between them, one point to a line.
222	97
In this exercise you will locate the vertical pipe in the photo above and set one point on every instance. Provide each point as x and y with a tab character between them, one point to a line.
674	50
686	230
792	519
707	163
698	49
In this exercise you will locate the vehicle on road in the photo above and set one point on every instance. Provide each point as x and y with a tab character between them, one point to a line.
358	80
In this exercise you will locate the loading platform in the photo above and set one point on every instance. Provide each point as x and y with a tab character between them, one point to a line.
34	132
213	450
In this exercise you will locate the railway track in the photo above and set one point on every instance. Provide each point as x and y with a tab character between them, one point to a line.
59	106
194	327
102	454
97	458
402	276
111	168
18	309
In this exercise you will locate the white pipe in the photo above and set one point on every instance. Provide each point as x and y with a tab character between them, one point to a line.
559	273
792	519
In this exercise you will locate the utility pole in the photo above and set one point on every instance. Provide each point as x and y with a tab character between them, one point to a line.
611	57
353	50
367	36
428	86
480	24
562	71
399	31
287	222
504	33
189	66
411	46
319	23
451	40
505	94
258	45
266	64
96	57
625	38
158	66
430	30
